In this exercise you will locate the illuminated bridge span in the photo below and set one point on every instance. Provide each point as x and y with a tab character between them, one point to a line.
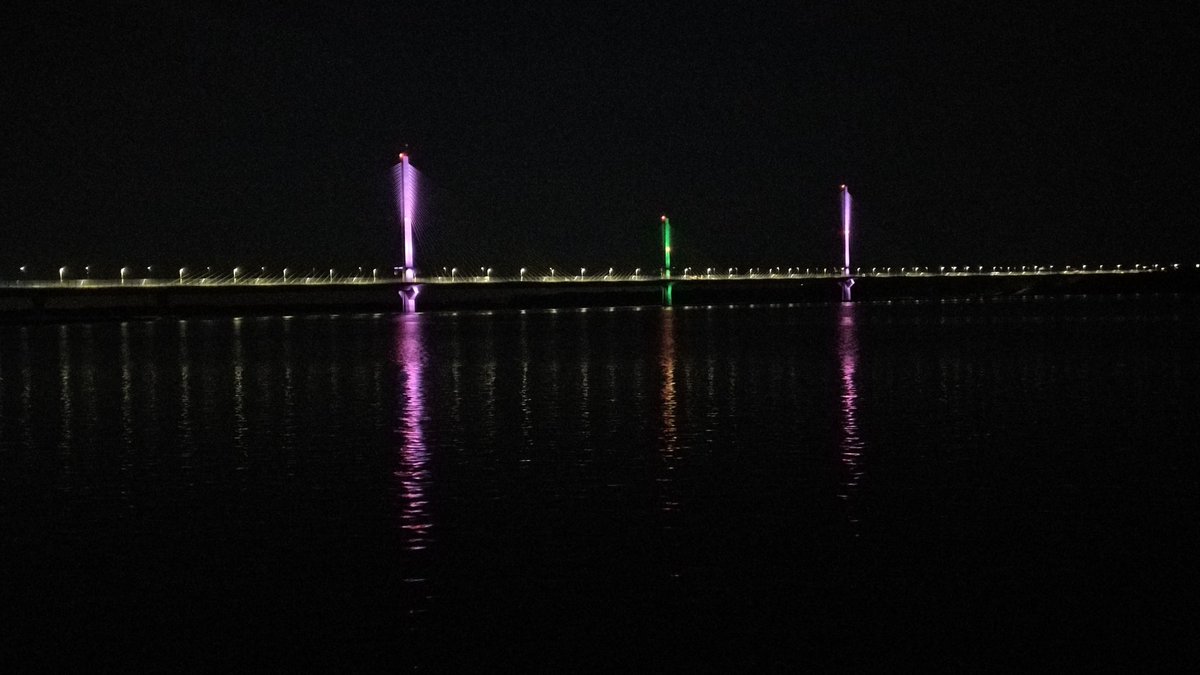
371	290
406	178
453	276
32	290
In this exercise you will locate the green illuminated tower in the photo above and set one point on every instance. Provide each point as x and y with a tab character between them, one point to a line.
666	232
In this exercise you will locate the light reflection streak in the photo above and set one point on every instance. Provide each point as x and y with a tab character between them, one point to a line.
526	405
150	369
26	391
289	392
456	361
187	439
850	442
239	393
3	417
84	389
64	387
413	473
488	384
670	432
126	390
585	391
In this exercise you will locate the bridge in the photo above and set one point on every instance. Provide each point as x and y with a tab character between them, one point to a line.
147	288
272	293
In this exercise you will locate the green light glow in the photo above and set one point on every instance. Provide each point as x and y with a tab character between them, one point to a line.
666	228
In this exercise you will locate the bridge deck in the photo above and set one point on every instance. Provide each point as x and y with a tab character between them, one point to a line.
160	296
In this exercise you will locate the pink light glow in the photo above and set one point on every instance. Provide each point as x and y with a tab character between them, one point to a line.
846	229
408	299
850	443
413	471
404	183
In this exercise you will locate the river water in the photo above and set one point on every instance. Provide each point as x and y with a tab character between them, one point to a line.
973	483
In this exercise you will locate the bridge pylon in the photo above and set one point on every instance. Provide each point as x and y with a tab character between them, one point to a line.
845	231
847	282
666	239
404	186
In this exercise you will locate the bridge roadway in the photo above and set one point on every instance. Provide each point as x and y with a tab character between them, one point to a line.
153	296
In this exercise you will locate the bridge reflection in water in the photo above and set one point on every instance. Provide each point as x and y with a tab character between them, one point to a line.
413	476
850	442
669	410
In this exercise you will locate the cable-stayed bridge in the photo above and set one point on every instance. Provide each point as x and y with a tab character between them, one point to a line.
432	253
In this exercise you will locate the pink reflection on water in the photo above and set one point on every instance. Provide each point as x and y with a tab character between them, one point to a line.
850	443
413	471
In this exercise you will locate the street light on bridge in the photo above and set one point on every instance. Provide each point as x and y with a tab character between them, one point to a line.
62	275
124	271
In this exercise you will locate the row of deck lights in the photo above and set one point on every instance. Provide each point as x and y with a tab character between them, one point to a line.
238	275
487	273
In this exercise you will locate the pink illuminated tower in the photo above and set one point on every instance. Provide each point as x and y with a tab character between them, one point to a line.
848	281
846	230
404	183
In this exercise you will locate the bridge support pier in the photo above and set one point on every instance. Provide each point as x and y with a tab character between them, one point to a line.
408	299
846	284
667	293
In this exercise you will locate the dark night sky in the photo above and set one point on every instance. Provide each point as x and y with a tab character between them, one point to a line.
970	133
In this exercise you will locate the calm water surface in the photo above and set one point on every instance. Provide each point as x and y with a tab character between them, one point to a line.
969	483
